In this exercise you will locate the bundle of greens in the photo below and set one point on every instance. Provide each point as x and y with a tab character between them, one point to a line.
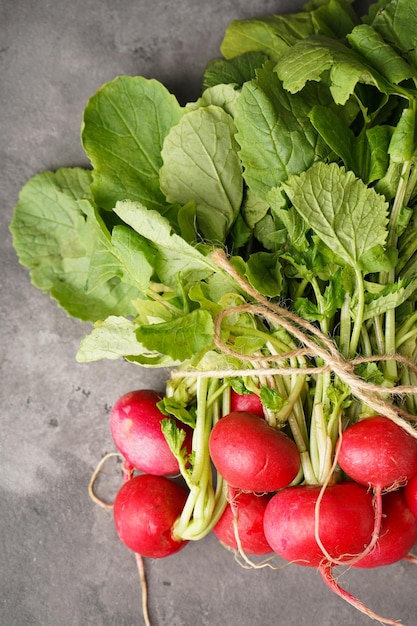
260	240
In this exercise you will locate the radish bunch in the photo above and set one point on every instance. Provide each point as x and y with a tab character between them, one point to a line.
366	516
260	242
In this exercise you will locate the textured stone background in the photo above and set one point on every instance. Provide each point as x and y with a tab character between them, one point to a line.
61	563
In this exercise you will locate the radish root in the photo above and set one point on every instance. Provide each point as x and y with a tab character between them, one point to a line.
144	588
95	475
127	475
411	558
247	562
326	571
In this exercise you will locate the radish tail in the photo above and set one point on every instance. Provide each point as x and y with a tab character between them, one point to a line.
377	526
410	558
326	571
144	587
91	491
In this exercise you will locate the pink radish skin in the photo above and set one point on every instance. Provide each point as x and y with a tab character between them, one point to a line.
135	424
251	455
145	510
250	402
398	532
378	453
249	510
411	494
346	518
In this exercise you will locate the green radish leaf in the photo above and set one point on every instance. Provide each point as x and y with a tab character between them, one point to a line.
54	230
271	399
211	293
180	338
240	234
125	124
238	70
370	44
112	339
123	254
175	437
223	96
336	133
238	385
247	344
186	219
310	59
377	259
333	297
366	154
347	215
376	152
274	132
163	309
253	208
199	293
274	34
218	360
388	185
370	372
170	406
263	270
201	164
173	255
403	142
391	297
295	227
397	25
253	35
308	310
136	257
334	16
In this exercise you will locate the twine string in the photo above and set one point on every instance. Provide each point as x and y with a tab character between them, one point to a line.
313	344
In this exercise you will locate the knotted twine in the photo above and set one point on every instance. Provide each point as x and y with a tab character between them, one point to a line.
314	343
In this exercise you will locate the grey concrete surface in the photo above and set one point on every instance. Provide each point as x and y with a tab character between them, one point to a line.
61	563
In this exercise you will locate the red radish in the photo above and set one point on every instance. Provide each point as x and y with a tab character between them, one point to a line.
398	532
135	424
346	522
411	494
250	402
145	510
247	511
251	455
346	527
377	452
